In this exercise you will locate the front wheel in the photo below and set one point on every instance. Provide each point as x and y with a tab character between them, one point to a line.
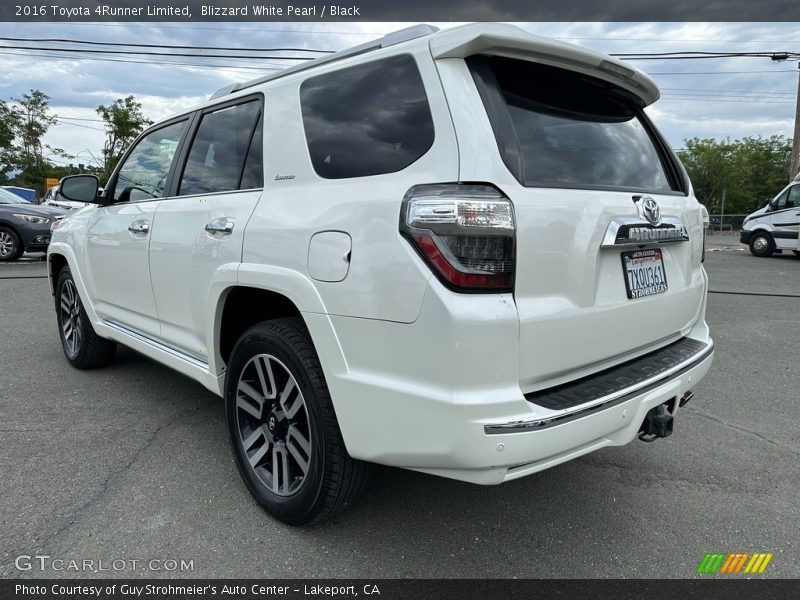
83	348
283	429
761	244
10	245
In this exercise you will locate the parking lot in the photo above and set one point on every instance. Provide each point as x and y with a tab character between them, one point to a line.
132	462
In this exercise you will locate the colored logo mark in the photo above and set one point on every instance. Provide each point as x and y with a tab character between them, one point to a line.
735	562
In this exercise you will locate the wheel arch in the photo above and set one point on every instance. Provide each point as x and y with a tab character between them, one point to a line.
55	264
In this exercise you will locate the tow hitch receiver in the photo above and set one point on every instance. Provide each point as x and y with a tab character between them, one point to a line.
657	424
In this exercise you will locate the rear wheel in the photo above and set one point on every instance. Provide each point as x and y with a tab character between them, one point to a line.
797	252
283	429
761	244
10	245
83	348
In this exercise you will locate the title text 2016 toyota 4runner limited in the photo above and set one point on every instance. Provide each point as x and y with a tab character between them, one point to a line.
466	252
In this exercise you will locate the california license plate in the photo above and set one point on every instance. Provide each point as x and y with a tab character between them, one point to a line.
644	273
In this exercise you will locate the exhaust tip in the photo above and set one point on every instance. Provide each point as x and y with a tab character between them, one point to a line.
685	399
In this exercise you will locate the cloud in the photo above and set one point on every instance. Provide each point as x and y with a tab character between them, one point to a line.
700	98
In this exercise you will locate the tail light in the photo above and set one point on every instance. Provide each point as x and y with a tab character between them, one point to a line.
465	233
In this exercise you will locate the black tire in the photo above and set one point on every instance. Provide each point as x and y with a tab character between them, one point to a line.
10	245
761	244
84	349
796	252
272	352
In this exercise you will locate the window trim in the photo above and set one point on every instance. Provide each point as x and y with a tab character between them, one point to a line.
183	153
509	147
108	191
348	67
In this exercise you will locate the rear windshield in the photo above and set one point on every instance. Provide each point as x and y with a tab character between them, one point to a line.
558	128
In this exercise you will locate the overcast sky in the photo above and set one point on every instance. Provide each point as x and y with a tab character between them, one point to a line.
700	98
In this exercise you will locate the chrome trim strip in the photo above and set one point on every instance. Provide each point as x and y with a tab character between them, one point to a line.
673	224
192	359
601	404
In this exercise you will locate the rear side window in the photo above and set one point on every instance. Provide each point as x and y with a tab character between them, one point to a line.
369	119
216	161
555	127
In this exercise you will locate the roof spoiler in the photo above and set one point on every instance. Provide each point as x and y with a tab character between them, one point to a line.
513	42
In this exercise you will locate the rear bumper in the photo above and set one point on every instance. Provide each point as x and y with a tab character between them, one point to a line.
456	408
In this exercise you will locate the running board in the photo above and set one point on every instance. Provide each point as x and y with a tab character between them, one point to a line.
193	360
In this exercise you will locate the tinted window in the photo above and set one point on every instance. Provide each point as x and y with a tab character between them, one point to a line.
369	119
218	152
253	176
557	127
780	202
794	197
144	173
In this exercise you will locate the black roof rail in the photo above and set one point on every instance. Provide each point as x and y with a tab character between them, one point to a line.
390	39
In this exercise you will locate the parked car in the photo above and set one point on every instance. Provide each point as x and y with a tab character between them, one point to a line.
24	227
468	253
54	198
28	194
774	228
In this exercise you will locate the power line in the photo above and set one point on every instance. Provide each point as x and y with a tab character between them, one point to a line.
720	72
271	67
170	46
79	125
143	53
729	91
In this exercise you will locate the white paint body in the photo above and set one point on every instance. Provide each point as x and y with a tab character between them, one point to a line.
415	370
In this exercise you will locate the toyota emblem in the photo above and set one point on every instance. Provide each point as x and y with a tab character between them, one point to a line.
650	210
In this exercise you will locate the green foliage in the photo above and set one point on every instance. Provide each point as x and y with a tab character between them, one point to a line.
9	124
124	121
751	170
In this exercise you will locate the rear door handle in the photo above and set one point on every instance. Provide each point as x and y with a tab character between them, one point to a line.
223	226
139	227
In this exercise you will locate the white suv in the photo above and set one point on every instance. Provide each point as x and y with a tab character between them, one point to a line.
466	252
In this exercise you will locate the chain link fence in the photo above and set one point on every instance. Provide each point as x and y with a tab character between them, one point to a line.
726	223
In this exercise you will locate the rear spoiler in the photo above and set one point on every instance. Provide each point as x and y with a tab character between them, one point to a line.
512	42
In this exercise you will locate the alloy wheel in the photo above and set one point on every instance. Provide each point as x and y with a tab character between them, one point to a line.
273	425
7	244
70	316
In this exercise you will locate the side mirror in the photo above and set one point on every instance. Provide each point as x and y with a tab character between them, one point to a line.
80	188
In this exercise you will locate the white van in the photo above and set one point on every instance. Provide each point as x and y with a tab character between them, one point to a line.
775	227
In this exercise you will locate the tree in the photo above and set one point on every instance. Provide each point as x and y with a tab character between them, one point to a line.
751	170
9	123
32	121
124	121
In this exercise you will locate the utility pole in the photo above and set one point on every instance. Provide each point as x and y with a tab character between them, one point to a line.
796	140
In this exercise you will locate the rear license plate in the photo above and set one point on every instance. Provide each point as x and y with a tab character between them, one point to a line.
644	273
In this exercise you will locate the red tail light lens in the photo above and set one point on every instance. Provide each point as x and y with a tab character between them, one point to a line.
464	232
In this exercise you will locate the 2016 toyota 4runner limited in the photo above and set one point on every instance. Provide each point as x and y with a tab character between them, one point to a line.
466	252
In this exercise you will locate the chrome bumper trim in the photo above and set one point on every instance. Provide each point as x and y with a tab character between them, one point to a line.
603	403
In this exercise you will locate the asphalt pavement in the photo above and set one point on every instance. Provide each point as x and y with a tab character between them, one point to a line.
131	462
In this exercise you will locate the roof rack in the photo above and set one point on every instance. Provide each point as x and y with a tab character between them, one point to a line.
390	39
